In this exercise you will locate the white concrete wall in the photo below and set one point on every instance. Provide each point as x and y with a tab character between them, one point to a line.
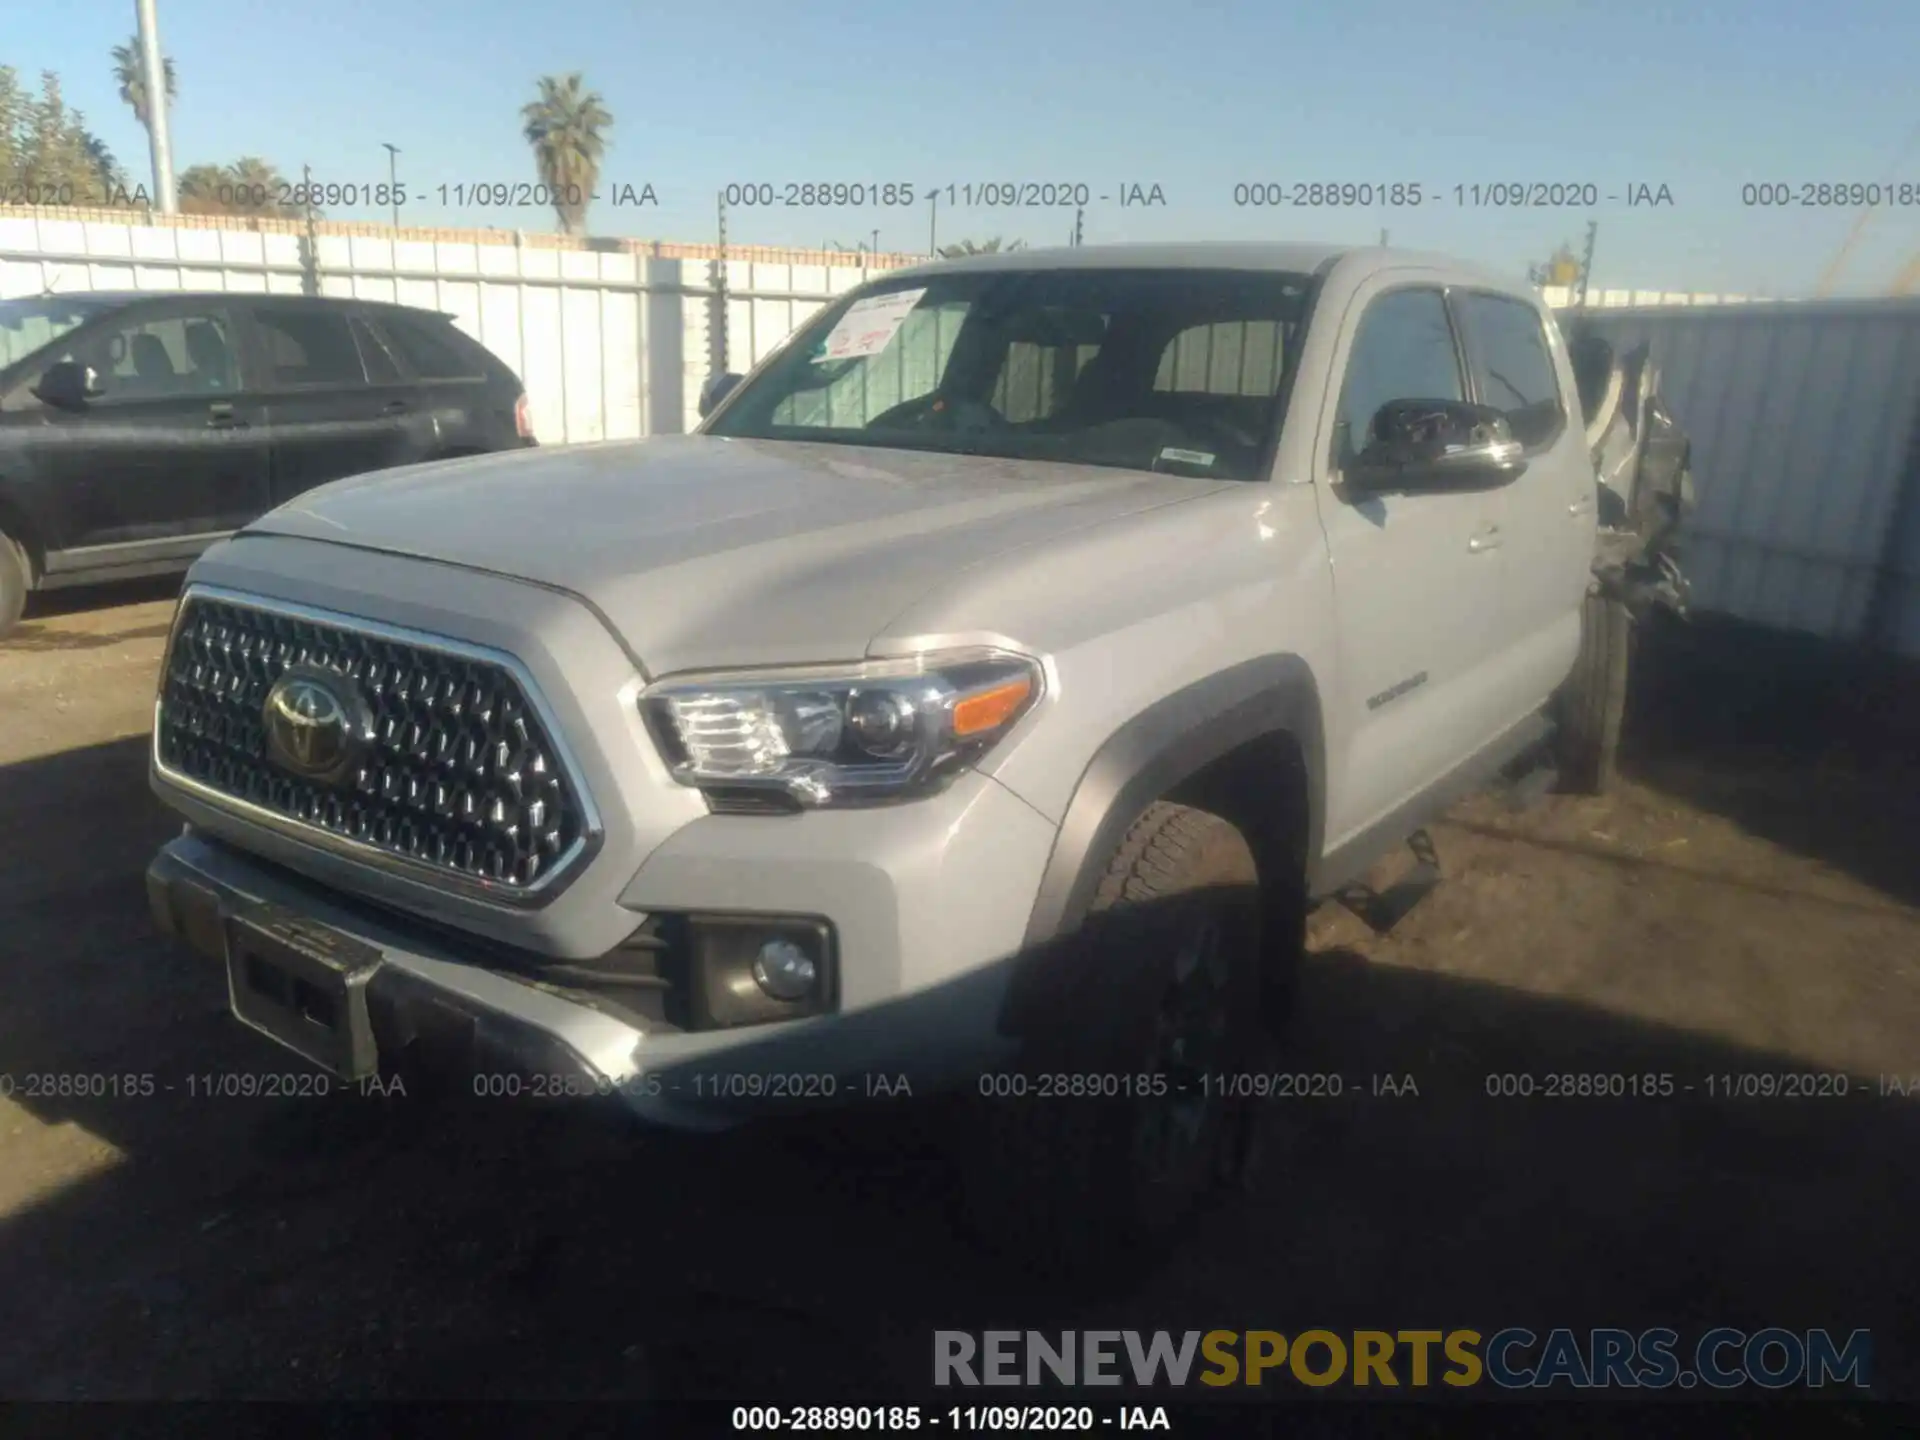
1561	296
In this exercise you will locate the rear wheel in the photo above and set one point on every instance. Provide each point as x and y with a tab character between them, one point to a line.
1112	1129
16	578
1592	703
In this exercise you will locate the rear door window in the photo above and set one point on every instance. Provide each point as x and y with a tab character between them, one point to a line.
308	346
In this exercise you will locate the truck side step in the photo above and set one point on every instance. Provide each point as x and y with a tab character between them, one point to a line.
1381	910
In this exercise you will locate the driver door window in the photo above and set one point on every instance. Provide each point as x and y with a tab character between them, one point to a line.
1404	350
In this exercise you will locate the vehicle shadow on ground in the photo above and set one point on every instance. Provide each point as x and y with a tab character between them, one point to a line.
46	638
355	1245
1811	745
81	599
59	620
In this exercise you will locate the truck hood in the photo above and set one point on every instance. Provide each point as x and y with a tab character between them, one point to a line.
704	552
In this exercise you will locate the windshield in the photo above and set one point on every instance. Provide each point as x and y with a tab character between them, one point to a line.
26	325
1171	370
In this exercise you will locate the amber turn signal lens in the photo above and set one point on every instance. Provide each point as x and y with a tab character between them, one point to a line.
990	709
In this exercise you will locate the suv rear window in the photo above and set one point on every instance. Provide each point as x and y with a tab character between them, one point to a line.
432	349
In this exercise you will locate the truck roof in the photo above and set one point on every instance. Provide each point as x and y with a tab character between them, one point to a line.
1297	257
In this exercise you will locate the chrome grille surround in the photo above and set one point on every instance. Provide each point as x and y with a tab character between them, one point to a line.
468	785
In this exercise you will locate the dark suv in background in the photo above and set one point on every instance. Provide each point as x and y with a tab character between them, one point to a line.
138	428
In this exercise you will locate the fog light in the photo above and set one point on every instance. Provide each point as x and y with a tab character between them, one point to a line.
755	970
784	970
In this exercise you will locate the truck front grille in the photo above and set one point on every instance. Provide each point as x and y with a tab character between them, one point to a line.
455	772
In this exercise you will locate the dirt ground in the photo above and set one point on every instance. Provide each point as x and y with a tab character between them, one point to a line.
1747	903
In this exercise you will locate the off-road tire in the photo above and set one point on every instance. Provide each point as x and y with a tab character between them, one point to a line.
1052	1181
16	579
1592	703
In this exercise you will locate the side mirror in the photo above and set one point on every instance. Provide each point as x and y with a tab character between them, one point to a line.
716	390
1436	445
68	385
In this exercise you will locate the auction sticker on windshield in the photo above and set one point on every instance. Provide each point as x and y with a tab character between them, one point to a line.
868	325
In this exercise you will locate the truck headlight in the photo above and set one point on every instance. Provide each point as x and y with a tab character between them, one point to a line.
838	735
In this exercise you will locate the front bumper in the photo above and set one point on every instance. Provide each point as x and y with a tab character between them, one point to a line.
399	990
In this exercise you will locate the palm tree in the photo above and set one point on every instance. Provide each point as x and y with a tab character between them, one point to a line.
131	71
199	189
249	186
981	247
565	127
106	167
252	178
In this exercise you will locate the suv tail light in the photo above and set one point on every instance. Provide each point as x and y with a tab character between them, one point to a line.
522	421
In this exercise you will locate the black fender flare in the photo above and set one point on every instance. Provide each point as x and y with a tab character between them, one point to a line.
1168	742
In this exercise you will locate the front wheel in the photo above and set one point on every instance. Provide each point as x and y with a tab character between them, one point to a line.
15	580
1118	1120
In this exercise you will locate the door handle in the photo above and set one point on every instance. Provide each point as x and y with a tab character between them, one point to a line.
395	407
1487	539
1581	507
221	417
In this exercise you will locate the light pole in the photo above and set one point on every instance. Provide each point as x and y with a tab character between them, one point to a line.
154	72
1586	263
393	179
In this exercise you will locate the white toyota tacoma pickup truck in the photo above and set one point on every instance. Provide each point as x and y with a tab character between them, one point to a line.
975	703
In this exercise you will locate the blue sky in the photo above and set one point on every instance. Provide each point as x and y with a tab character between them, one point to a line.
1701	97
